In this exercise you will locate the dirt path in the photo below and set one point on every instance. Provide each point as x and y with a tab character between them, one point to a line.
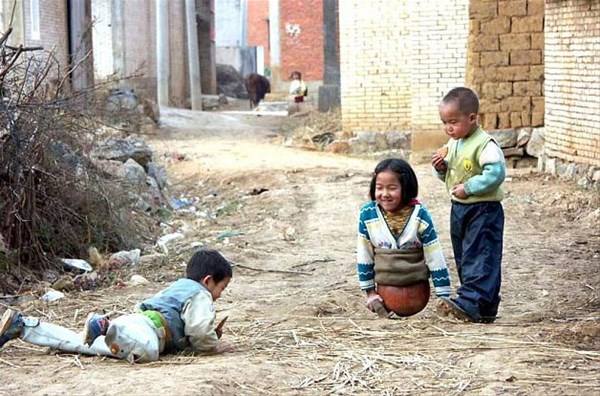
297	322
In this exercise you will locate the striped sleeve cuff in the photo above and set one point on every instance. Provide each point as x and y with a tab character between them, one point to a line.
443	291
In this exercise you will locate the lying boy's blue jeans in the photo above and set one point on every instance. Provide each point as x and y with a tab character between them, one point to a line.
477	233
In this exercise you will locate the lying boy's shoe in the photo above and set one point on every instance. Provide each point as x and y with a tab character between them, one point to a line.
448	307
11	326
95	326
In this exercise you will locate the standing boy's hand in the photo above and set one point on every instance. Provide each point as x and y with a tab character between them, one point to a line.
459	191
437	161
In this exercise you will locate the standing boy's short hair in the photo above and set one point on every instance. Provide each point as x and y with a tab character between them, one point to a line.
405	174
465	98
208	262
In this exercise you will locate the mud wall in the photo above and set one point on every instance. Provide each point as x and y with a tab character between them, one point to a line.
506	62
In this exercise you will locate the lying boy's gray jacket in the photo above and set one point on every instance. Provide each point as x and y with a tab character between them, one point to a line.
170	303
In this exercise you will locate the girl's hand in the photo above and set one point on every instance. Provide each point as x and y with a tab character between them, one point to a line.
372	296
438	163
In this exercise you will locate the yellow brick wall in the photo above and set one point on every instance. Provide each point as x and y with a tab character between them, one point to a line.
374	65
397	60
505	64
572	85
438	36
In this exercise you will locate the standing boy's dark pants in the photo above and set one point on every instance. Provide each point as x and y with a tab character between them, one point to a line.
477	231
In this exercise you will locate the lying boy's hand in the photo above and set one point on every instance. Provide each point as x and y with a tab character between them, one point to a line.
438	162
219	328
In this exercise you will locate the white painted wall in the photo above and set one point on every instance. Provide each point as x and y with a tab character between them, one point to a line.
102	38
229	17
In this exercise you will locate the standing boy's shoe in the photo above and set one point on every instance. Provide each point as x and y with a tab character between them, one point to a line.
449	307
11	326
95	326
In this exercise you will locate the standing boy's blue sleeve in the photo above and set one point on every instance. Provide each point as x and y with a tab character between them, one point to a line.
492	161
492	176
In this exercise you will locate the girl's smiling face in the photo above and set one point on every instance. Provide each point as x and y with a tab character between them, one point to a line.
388	191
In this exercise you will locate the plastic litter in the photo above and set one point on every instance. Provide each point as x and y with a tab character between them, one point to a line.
138	280
77	264
127	257
52	295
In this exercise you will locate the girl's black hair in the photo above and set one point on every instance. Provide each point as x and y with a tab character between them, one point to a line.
208	262
405	174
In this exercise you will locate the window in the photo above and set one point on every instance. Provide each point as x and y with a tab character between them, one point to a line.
34	7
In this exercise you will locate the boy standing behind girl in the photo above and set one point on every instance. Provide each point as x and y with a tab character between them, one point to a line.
472	166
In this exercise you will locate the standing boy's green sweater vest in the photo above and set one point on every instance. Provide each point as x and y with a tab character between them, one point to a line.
465	164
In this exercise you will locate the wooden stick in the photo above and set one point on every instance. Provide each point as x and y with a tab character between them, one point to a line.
9	363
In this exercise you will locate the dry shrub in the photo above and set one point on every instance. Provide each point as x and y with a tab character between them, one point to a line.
314	130
53	201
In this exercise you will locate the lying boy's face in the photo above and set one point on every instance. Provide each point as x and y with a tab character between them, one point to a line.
215	288
457	124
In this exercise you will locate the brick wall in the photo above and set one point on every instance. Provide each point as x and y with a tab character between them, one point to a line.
53	24
506	61
438	34
301	33
572	86
258	26
397	59
374	60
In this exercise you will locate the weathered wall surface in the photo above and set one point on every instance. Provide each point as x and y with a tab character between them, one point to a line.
506	62
136	51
